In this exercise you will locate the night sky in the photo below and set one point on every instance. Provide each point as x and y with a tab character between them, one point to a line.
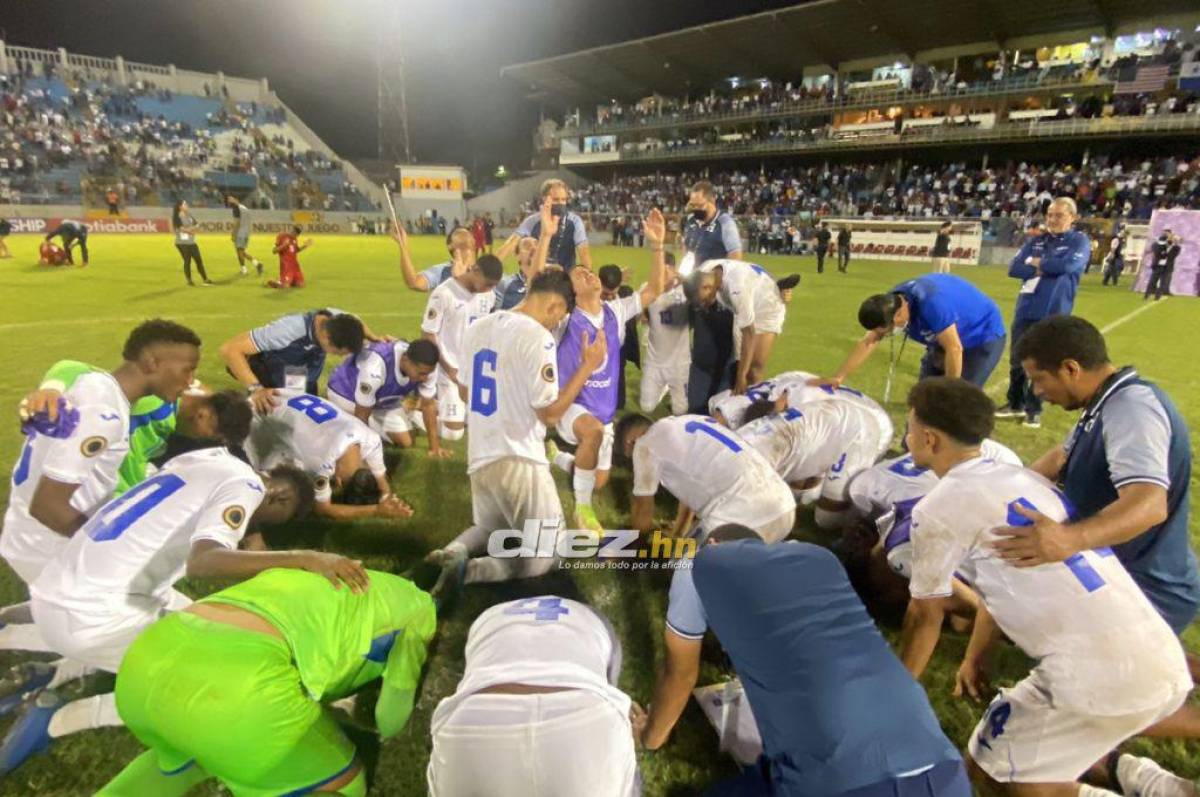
319	56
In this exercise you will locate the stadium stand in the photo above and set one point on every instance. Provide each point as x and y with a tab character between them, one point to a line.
78	127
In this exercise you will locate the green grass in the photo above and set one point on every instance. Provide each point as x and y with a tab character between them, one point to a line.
85	314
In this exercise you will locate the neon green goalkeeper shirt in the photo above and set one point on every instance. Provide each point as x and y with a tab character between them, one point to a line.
151	422
341	641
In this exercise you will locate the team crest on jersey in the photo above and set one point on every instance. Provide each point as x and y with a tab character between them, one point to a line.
234	516
364	388
93	446
320	483
432	314
548	372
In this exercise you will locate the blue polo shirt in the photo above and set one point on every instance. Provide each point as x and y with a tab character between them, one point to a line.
1130	433
712	240
510	291
836	709
1052	292
936	301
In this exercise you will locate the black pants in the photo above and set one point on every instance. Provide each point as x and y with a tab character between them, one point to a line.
821	260
68	242
1160	283
191	252
1020	389
1113	270
843	259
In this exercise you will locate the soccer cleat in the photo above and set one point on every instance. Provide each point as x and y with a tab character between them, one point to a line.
258	266
20	681
585	519
30	734
245	271
1009	412
1032	422
208	283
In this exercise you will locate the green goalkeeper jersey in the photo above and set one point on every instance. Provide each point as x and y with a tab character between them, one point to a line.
341	641
151	422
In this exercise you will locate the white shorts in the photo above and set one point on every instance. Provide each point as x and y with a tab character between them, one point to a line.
1025	738
657	380
773	530
382	421
29	560
100	640
507	492
769	311
566	430
574	742
450	405
241	240
864	451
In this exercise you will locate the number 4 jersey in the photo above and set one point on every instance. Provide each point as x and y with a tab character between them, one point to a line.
126	559
1101	646
312	434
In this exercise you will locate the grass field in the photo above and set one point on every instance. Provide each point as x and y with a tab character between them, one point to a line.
85	314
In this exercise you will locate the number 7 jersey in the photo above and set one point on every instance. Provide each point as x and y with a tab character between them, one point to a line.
509	368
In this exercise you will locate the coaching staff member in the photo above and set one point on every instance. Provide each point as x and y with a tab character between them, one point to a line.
709	234
1125	468
1049	266
960	327
570	244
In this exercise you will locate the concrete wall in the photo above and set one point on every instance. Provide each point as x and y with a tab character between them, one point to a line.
210	219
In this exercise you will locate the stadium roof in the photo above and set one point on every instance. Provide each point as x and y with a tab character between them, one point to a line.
827	34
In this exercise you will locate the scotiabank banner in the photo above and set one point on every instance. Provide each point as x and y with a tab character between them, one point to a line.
106	226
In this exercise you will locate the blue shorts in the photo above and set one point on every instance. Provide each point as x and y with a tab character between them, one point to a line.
947	779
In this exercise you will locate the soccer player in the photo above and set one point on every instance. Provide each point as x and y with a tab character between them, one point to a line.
51	254
288	247
270	653
290	352
461	248
818	448
339	451
184	224
758	310
715	474
241	234
452	307
960	327
709	233
375	384
668	345
1049	266
539	687
71	233
67	469
588	423
569	243
513	394
117	576
1107	665
6	229
837	713
1126	467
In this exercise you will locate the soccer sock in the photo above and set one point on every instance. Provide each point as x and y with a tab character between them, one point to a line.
66	671
564	461
142	776
1092	791
99	711
1145	778
584	482
24	636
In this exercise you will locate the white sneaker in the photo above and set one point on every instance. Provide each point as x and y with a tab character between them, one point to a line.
1009	412
1032	422
245	271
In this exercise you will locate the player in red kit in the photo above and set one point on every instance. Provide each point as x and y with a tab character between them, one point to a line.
479	232
288	246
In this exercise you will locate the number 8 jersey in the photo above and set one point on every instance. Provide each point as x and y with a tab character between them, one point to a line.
509	369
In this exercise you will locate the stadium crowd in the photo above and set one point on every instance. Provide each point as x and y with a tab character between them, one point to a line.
64	139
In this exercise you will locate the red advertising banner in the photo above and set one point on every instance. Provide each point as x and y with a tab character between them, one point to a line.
106	226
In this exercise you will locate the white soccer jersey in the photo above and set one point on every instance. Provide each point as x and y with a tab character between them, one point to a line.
126	559
776	386
450	311
89	455
373	375
805	444
711	470
668	343
1102	647
877	489
746	289
509	370
312	434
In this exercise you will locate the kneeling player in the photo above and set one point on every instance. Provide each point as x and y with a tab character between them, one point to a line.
1108	666
234	687
116	577
375	384
714	473
819	448
51	254
753	296
338	450
537	704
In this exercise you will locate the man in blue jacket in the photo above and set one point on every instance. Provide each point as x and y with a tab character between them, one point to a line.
1049	266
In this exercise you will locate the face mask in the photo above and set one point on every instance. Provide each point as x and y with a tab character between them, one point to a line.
700	214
